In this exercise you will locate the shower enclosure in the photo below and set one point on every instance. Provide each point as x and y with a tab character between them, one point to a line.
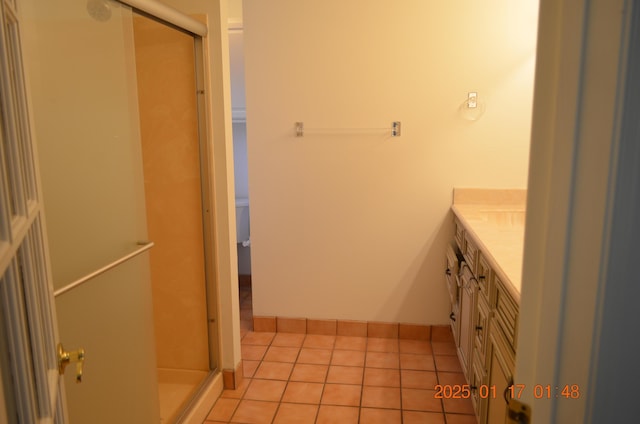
117	111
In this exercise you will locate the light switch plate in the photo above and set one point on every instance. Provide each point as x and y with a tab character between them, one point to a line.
472	100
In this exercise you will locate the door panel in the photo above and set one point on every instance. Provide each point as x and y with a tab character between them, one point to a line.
110	317
29	380
82	82
84	100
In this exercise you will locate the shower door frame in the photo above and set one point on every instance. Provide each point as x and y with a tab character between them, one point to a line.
208	202
184	23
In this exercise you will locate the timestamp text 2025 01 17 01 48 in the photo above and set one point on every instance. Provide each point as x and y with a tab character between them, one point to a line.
514	391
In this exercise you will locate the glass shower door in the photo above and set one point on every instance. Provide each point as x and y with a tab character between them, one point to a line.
167	97
81	72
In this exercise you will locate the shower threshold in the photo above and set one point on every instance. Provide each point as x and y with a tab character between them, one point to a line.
176	389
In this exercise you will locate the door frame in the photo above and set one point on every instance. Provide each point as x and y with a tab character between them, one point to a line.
579	130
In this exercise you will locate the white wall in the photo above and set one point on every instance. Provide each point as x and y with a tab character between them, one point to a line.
236	63
355	225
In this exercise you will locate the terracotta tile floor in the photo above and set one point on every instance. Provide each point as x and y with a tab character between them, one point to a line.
298	379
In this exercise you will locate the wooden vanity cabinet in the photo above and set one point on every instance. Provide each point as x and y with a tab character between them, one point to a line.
485	329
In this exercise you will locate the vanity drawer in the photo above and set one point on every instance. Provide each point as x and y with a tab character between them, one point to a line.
506	314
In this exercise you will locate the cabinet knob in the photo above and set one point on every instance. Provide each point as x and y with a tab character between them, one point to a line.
448	271
478	327
452	316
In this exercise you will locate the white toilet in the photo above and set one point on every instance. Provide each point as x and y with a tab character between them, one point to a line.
243	236
242	221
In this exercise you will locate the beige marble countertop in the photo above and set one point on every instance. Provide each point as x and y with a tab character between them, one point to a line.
494	219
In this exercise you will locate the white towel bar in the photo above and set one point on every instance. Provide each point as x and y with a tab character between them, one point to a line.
395	129
145	246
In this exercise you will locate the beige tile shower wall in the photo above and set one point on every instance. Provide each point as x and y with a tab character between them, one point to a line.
168	121
354	225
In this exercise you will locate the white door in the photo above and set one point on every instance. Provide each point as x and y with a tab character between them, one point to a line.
578	315
30	380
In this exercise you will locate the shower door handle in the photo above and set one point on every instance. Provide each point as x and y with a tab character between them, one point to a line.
65	358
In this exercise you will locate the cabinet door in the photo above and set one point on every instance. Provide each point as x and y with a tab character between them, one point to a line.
451	273
480	391
500	375
481	328
467	297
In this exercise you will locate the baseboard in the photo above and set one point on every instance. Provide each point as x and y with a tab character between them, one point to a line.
351	328
232	378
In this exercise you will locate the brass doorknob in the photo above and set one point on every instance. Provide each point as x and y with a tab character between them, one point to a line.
65	358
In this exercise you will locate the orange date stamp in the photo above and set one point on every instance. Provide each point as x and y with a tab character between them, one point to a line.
544	391
514	391
464	391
